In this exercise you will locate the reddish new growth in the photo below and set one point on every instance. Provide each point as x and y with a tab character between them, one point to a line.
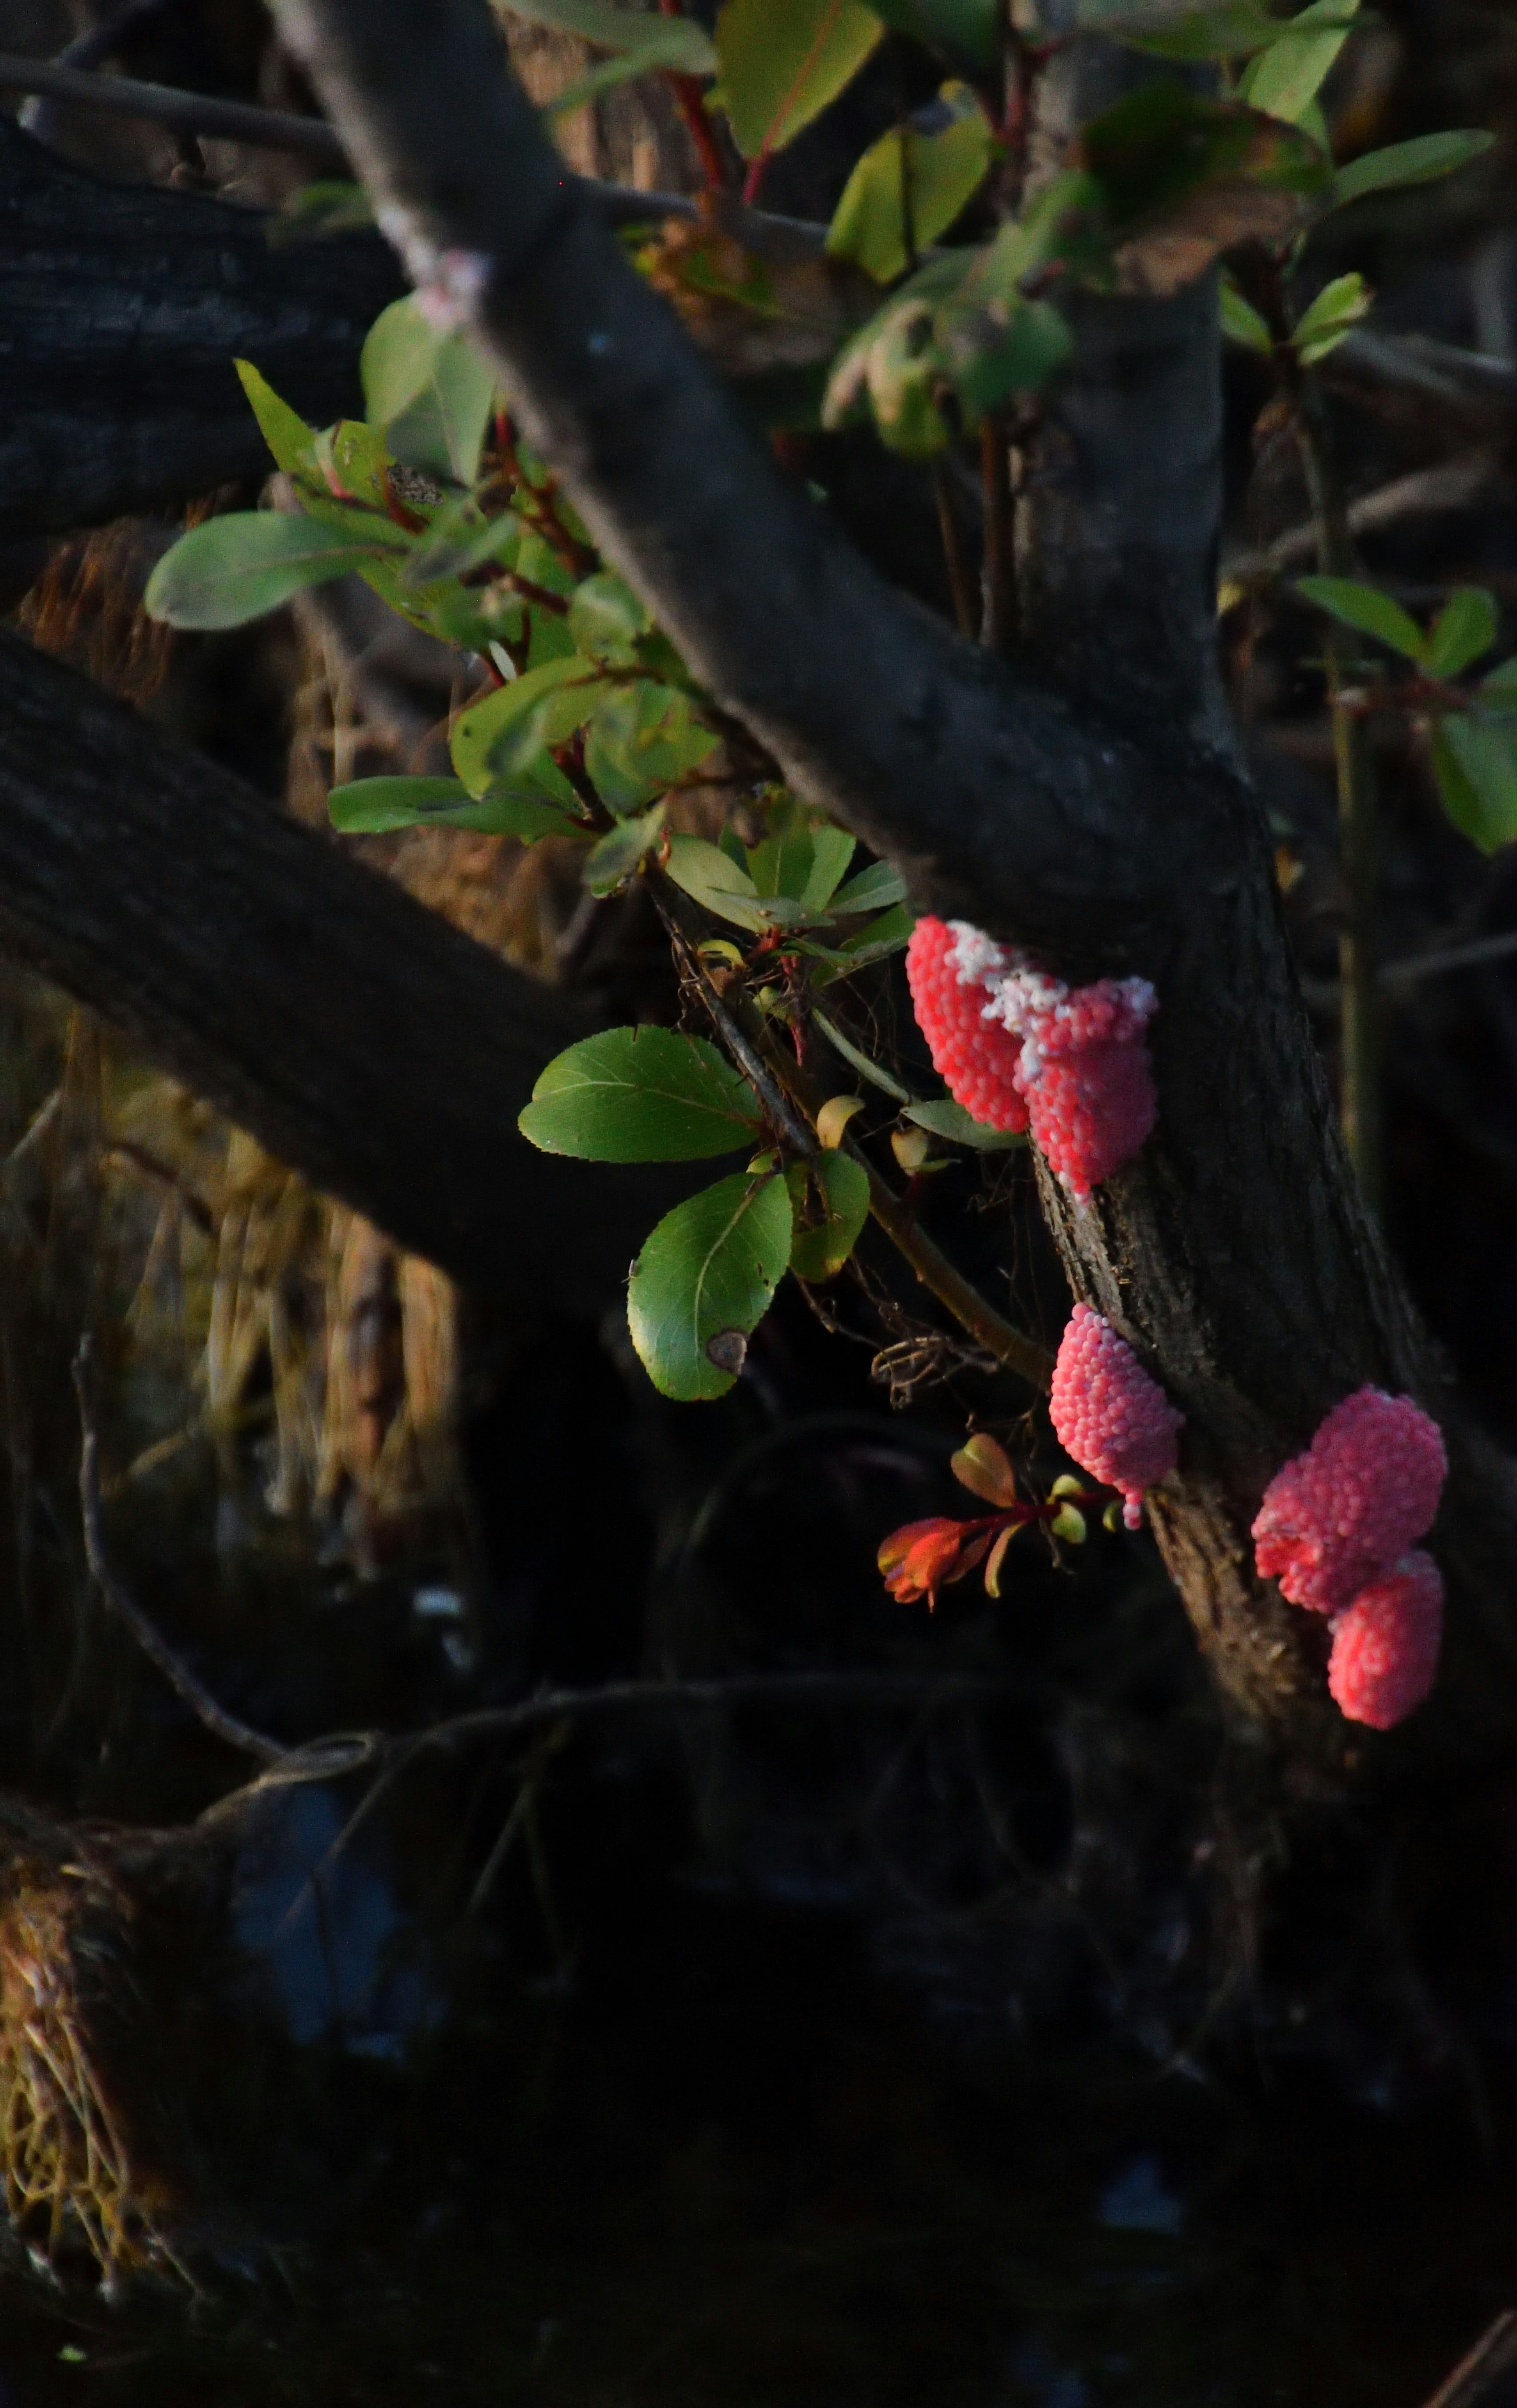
1016	1046
921	1557
1385	1648
1108	1414
1334	1528
1365	1491
974	1055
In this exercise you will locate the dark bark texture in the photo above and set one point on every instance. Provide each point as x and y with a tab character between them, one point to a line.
353	1031
1085	800
122	309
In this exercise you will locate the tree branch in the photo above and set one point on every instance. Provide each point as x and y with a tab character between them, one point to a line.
1002	800
358	1035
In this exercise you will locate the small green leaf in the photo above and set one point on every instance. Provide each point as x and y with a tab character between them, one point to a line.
642	740
605	616
704	1281
676	42
876	942
1421	161
430	392
944	1118
984	1468
1284	79
641	1094
622	853
1241	320
718	882
843	1185
859	1061
246	563
1336	311
286	433
875	889
1069	1525
1475	763
378	806
1466	626
331	205
781	60
916	179
461	537
502	735
1367	608
832	850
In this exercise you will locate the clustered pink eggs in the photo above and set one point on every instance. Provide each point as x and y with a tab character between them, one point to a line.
1109	1414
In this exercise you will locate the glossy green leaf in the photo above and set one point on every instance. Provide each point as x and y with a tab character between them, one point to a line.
1475	763
1466	626
1421	161
704	1281
1367	608
378	806
641	1094
1336	311
676	42
246	563
505	734
913	182
1241	320
1284	79
781	60
944	1118
621	854
966	33
289	438
843	1185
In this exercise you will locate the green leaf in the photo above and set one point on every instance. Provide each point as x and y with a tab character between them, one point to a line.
641	1094
1241	322
859	1061
1230	30
1475	763
605	616
237	568
1421	161
642	740
875	889
874	942
832	850
622	853
781	60
704	1281
461	538
504	734
920	176
377	805
1498	691
1367	608
1335	313
721	884
944	1118
1284	79
1466	626
430	392
676	42
286	433
331	205
844	1187
967	33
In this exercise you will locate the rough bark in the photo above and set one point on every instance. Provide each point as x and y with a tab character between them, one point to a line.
358	1035
1084	800
122	309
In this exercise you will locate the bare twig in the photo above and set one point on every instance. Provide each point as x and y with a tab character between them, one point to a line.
1485	2378
184	1683
1447	485
181	112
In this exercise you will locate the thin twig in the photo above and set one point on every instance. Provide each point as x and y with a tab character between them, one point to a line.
1447	485
955	557
181	112
184	1683
997	574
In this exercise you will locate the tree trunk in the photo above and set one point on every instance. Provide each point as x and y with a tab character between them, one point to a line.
123	309
353	1031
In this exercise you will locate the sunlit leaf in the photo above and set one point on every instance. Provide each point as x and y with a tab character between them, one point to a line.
984	1468
914	180
245	563
843	1183
1284	79
1421	161
944	1118
781	60
1336	311
641	1094
1466	626
833	1118
704	1281
1241	320
1365	608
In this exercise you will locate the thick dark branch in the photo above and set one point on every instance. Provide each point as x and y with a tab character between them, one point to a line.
1002	800
122	309
357	1035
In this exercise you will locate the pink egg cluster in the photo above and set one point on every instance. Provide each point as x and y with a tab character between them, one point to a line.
972	1054
1108	1414
1019	1048
1334	1529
